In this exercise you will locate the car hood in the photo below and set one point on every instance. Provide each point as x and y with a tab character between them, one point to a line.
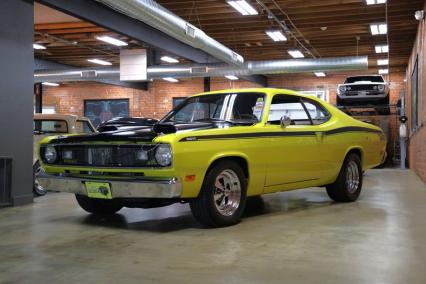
363	83
137	134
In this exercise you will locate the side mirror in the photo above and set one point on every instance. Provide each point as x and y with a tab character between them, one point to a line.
285	121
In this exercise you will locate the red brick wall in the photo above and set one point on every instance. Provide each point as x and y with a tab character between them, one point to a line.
417	140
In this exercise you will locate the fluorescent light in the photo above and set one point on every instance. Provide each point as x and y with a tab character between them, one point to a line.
112	40
100	62
379	29
383	71
382	48
243	7
170	79
169	59
295	53
276	35
38	46
231	77
375	2
50	84
320	74
382	62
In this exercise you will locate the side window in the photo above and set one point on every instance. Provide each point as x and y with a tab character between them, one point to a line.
290	106
317	113
83	127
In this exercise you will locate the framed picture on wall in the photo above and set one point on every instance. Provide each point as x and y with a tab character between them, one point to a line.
99	111
177	101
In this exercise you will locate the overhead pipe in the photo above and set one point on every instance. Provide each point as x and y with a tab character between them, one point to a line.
155	15
213	70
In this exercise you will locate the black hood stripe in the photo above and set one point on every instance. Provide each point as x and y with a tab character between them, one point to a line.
278	134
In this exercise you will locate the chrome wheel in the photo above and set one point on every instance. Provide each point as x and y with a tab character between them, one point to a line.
227	192
39	190
352	177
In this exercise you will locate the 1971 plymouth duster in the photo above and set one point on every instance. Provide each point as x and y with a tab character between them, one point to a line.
214	150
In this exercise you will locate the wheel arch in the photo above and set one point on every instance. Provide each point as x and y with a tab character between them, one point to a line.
239	158
356	150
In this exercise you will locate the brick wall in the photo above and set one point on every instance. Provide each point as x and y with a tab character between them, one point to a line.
417	140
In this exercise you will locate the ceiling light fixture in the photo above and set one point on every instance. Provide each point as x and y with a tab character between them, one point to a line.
38	46
382	48
169	59
382	62
375	2
295	53
276	35
99	61
379	29
243	7
50	84
231	77
111	40
170	79
383	71
320	74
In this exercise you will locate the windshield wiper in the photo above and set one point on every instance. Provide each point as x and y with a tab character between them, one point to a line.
215	120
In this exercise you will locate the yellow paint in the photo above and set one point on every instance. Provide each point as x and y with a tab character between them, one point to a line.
274	163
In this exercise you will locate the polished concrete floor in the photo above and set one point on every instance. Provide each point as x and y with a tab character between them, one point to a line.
293	237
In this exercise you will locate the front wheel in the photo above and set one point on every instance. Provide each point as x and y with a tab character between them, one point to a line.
38	190
222	197
347	187
98	206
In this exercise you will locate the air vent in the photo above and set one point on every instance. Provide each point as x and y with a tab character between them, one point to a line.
88	74
190	30
201	69
5	182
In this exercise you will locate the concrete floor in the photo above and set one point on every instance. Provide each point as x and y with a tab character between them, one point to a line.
295	237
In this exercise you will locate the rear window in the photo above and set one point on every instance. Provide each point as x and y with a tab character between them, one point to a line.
82	126
50	126
374	79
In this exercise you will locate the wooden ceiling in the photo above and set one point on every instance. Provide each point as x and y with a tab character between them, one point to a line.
327	28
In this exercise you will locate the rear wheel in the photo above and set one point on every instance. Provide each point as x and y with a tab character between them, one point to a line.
98	206
347	187
222	197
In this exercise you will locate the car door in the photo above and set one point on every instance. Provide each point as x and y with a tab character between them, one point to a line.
294	152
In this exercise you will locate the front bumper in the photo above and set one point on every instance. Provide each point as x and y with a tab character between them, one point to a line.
133	188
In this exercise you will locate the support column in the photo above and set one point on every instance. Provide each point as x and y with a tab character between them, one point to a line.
207	84
16	100
38	93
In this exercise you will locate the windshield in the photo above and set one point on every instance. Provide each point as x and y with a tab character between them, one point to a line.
50	126
375	79
232	107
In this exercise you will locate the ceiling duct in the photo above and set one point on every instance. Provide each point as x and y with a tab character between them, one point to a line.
155	15
214	70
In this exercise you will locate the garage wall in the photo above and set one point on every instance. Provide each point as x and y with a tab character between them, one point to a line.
417	140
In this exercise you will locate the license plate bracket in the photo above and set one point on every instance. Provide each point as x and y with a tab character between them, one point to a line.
99	190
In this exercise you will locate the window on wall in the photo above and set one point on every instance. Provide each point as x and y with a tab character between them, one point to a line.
320	94
414	95
177	101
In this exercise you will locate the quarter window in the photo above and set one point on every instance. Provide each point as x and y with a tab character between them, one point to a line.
317	113
291	106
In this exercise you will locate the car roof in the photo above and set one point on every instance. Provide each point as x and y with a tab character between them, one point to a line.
58	116
257	90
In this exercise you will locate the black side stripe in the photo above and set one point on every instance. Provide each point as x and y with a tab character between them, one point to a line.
278	134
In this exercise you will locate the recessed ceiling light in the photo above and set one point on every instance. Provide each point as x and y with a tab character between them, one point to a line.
170	79
169	59
375	2
231	77
379	29
259	43
38	46
383	71
276	35
320	74
382	48
247	44
112	40
243	7
50	84
295	53
99	61
382	62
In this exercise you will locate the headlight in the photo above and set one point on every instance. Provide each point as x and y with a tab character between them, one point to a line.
342	89
50	154
163	155
381	88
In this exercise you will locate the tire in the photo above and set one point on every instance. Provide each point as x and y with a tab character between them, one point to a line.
343	190
98	206
215	207
38	190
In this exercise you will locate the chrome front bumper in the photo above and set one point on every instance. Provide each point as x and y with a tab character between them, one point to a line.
134	188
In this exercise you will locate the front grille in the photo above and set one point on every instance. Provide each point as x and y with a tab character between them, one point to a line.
106	155
362	88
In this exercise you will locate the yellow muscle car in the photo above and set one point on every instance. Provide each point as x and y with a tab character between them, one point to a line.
214	150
